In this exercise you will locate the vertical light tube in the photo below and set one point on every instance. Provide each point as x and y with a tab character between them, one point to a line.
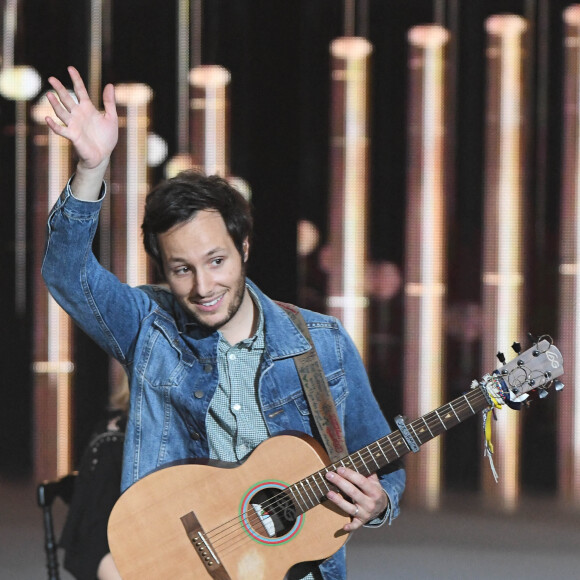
210	118
183	44
349	151
52	365
426	260
99	46
569	398
503	260
95	50
9	24
130	184
20	84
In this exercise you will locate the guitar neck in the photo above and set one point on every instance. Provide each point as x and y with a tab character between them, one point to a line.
312	490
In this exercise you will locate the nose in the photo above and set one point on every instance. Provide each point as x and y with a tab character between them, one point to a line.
203	284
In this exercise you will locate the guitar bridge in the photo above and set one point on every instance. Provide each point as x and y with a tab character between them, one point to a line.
203	547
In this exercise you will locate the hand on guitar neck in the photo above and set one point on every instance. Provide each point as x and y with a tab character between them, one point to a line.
368	500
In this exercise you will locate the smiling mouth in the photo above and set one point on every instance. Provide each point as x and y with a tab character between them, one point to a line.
211	304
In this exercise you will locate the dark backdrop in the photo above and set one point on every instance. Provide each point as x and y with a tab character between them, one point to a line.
277	53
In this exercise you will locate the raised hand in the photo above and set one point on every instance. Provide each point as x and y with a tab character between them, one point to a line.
92	133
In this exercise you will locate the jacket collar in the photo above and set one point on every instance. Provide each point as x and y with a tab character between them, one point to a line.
283	339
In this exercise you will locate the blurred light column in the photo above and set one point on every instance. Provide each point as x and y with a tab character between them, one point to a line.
129	187
52	365
20	84
209	117
130	184
182	160
426	260
569	398
349	167
503	243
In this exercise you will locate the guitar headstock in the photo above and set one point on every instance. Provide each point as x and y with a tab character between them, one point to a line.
533	371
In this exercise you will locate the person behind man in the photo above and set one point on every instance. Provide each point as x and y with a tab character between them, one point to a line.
210	358
97	487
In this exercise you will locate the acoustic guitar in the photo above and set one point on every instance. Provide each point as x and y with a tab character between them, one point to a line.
255	520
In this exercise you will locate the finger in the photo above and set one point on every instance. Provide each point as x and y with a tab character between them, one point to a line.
361	487
63	94
350	483
78	84
109	101
56	104
354	510
55	127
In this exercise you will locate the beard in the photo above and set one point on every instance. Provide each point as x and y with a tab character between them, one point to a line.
237	294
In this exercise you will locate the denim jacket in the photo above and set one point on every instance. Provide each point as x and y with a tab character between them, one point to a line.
172	364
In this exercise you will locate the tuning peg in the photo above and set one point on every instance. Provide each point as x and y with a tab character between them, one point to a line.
532	338
500	356
558	385
542	393
517	347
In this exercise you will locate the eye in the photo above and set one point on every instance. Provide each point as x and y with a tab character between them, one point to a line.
217	261
181	270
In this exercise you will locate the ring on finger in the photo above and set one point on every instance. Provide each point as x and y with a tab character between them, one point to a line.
355	512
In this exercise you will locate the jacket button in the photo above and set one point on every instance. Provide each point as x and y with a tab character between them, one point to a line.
195	436
198	394
207	368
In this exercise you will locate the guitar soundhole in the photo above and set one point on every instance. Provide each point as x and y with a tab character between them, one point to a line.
269	515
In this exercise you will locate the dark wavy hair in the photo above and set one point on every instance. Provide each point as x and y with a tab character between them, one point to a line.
178	199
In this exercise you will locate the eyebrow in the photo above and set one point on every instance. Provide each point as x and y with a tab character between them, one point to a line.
208	254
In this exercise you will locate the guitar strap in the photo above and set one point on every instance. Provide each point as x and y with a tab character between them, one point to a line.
317	391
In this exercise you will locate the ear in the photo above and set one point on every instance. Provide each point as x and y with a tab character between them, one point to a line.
246	249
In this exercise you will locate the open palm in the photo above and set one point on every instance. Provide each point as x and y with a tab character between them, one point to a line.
92	133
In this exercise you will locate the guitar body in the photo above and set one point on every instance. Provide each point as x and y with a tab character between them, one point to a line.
255	520
148	538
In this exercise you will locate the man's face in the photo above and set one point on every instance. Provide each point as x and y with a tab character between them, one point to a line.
204	269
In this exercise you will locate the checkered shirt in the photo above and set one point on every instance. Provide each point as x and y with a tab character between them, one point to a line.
234	422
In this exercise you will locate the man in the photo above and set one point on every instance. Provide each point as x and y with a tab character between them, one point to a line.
210	361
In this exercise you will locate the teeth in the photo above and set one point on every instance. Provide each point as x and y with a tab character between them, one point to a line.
211	303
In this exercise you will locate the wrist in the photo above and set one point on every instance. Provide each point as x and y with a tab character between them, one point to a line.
87	181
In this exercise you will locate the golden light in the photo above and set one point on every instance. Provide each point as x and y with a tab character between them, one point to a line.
209	117
130	183
426	261
503	259
348	244
569	398
19	83
53	366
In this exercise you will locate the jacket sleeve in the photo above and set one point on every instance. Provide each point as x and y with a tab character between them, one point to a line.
106	309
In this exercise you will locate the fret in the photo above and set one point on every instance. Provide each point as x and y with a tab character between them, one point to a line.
373	456
362	461
453	409
299	508
427	425
322	493
467	400
303	502
382	451
416	434
439	417
394	449
306	492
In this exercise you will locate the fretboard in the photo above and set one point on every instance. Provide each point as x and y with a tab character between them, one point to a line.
311	491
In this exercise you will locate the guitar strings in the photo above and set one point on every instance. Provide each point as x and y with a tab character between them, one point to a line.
463	405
